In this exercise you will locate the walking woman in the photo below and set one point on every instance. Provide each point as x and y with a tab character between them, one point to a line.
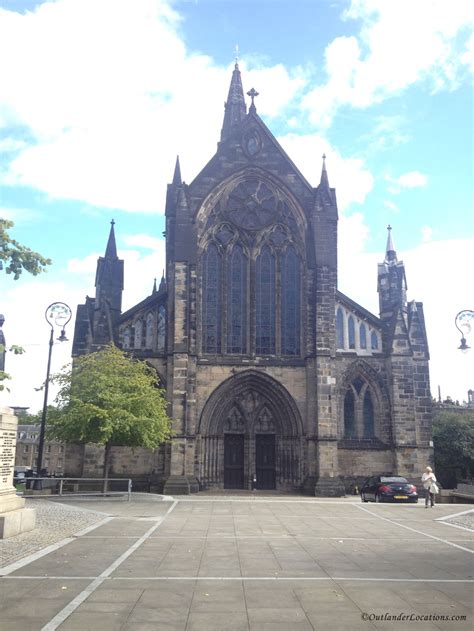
431	488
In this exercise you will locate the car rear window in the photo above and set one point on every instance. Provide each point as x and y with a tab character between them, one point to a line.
384	479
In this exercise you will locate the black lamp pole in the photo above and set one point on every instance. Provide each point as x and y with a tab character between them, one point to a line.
57	314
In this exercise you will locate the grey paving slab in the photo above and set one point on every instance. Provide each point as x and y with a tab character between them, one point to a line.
31	608
291	540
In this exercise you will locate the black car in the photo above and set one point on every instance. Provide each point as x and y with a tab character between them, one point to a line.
388	488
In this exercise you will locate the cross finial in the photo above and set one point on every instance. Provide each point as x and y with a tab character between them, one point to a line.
112	223
252	94
324	156
237	52
389	227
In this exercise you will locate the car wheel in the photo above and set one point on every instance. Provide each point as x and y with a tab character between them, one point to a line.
363	498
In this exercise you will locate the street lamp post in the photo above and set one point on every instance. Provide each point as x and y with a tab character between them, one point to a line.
57	314
463	323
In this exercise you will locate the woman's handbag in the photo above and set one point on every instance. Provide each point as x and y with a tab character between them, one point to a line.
434	488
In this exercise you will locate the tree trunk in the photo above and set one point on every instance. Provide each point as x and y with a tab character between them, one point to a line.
106	466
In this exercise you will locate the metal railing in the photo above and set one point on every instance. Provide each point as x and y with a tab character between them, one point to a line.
76	487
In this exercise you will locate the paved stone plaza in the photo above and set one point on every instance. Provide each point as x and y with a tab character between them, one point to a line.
252	562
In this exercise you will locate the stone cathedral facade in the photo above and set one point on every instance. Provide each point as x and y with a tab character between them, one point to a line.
270	371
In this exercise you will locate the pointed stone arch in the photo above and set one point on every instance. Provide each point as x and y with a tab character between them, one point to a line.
253	414
365	384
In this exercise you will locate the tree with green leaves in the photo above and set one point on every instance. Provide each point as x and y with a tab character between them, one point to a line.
15	257
109	398
453	438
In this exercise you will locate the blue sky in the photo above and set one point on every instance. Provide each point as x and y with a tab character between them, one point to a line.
98	97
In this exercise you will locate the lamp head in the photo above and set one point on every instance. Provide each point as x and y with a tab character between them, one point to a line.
464	346
62	337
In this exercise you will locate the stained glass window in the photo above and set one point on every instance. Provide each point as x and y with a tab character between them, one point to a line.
161	332
211	301
290	303
362	336
374	341
149	331
340	328
237	302
368	414
265	303
349	414
351	332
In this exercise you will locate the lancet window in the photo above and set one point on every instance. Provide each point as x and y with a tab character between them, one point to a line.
290	303
237	302
211	289
359	410
161	329
149	331
265	296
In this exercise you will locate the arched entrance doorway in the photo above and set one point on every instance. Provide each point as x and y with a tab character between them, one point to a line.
250	426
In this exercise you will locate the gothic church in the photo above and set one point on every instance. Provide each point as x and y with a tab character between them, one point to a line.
273	376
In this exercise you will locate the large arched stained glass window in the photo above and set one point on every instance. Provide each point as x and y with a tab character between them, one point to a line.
290	303
265	303
237	302
211	300
340	328
349	414
368	416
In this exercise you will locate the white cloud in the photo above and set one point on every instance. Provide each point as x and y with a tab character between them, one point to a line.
412	179
351	178
108	114
391	205
19	215
143	241
399	44
426	234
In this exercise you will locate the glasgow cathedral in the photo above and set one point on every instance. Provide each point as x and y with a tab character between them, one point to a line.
274	378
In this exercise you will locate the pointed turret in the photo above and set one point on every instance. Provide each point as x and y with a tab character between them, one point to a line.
154	287
324	175
391	283
235	108
111	249
162	282
390	253
177	181
108	295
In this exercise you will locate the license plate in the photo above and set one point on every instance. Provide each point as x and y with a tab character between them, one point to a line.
401	497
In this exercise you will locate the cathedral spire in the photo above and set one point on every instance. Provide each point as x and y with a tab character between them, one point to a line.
177	181
324	174
111	249
154	287
235	108
390	253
